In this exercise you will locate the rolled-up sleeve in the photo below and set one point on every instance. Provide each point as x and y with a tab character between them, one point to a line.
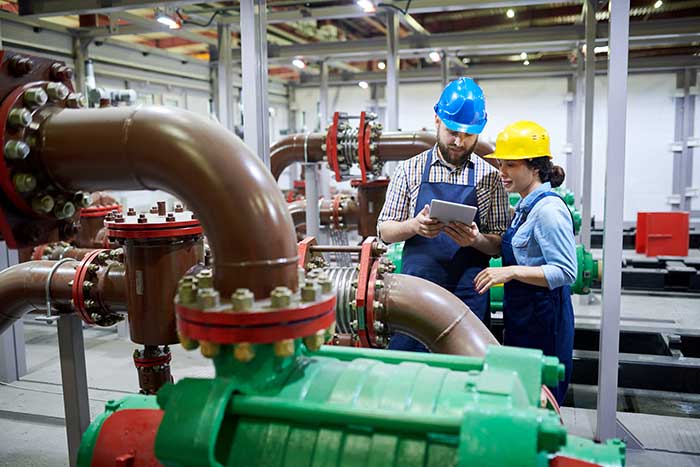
499	214
397	204
554	234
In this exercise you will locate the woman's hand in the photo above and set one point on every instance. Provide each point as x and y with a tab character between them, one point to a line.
492	276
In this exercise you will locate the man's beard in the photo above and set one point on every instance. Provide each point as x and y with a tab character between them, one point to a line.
458	160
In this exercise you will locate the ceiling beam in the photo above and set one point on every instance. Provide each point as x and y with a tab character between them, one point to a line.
44	8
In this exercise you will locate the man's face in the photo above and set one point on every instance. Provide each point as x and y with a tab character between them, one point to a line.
455	147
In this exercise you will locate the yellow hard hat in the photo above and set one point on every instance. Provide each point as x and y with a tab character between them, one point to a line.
522	140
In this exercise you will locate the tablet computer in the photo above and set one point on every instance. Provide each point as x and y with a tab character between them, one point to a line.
446	212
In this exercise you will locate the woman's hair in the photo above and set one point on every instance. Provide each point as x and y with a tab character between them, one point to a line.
548	172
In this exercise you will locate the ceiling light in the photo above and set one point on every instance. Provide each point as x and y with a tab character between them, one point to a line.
603	49
363	84
434	56
466	60
510	13
658	4
164	17
523	55
381	65
367	6
526	62
299	63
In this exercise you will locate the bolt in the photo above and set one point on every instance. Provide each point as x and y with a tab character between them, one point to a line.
102	258
379	327
76	101
57	91
379	285
326	284
382	341
280	297
314	342
179	208
243	352
90	304
131	212
24	182
353	305
207	298
377	305
310	292
137	353
209	349
187	293
119	218
205	279
170	217
19	117
284	348
87	286
20	65
354	284
242	299
35	97
187	343
64	210
60	72
93	268
353	325
16	150
43	204
153	210
81	199
142	219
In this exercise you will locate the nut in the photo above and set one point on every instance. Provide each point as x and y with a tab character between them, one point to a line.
378	285
187	294
57	91
379	327
20	65
179	208
81	199
242	299
207	298
243	352
102	257
205	279
117	254
43	204
35	97
310	292
187	343
209	349
76	101
142	219
60	72
16	150
64	210
284	348
314	342
24	182
280	297
19	117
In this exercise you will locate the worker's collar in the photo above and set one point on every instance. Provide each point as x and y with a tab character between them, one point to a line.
524	204
437	159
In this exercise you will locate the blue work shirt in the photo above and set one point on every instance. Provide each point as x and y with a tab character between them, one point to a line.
546	238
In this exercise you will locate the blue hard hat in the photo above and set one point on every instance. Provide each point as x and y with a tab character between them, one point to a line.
462	106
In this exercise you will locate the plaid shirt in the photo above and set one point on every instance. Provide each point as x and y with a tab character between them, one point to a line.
402	193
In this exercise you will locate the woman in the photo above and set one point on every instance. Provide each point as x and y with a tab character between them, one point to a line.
538	250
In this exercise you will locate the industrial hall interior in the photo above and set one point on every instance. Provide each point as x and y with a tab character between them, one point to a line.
338	233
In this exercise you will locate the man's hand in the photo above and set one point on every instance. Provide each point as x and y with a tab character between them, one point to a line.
489	277
462	234
426	227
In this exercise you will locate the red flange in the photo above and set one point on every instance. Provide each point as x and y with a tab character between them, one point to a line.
369	307
99	211
565	461
152	361
361	148
155	226
127	439
336	211
361	293
78	281
332	146
304	250
259	327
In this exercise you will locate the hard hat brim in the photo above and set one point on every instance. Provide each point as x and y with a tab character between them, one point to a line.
513	157
462	128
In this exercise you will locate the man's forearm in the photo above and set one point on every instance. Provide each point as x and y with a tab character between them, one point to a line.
489	244
395	231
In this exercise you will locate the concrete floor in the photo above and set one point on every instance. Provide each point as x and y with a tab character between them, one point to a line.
32	431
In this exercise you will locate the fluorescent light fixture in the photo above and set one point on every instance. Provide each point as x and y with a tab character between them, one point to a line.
434	56
603	49
466	60
363	84
526	62
163	17
299	63
523	55
510	13
658	4
381	65
367	6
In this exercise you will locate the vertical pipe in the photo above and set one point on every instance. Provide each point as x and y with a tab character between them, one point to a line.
574	129
392	72
254	59
323	172
614	210
224	77
587	181
74	381
690	76
444	68
676	198
13	360
79	57
312	216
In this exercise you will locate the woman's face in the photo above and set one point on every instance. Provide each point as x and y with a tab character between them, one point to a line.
516	176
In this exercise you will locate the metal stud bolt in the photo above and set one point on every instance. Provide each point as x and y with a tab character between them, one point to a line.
242	300
16	150
19	117
281	297
81	199
207	299
314	342
243	352
76	101
43	204
187	343
57	91
310	292
24	182
64	210
209	349
205	279
35	97
284	348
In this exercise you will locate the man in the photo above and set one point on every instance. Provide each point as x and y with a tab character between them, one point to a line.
448	255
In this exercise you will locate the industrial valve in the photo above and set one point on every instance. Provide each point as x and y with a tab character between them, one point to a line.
346	145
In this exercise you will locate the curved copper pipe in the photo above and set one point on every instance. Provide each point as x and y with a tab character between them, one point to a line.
23	289
290	149
157	148
432	315
349	210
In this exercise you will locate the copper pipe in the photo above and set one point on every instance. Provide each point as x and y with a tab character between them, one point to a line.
402	145
432	315
23	289
348	210
157	148
290	149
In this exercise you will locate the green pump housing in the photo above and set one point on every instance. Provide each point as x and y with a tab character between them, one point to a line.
346	407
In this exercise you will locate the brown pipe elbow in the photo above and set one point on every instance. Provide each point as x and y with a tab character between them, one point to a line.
434	316
290	149
157	148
